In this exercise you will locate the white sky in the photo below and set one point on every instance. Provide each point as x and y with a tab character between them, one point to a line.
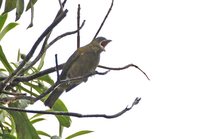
161	37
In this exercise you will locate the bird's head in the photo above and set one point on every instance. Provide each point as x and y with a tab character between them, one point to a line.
100	43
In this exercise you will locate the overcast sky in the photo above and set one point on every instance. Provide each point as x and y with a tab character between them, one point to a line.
161	37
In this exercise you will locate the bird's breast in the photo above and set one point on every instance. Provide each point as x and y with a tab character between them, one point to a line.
85	64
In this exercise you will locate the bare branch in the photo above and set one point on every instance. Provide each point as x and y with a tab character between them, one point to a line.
78	26
104	19
57	70
73	114
125	67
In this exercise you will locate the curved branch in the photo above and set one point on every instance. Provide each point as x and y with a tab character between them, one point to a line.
125	67
78	115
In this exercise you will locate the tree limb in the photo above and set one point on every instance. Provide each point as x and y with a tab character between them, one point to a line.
73	114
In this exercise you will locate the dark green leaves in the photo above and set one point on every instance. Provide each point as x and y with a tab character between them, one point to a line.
63	120
10	5
7	28
31	2
4	61
19	6
24	128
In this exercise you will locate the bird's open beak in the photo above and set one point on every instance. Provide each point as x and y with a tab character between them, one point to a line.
104	43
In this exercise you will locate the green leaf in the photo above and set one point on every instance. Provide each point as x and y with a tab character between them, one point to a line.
20	87
3	20
20	9
43	133
41	64
63	120
18	55
10	5
7	29
8	136
79	133
29	4
39	89
46	78
37	120
24	128
4	61
35	116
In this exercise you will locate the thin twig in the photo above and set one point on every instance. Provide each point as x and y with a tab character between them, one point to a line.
61	5
78	26
104	19
57	70
73	114
65	34
125	67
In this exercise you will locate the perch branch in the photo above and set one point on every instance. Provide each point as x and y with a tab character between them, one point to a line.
53	69
73	114
125	67
68	81
104	19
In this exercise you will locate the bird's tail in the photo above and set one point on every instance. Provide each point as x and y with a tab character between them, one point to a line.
53	97
56	94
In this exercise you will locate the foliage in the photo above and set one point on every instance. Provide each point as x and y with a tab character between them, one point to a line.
18	125
19	6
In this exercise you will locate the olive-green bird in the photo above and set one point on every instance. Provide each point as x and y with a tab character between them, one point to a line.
82	62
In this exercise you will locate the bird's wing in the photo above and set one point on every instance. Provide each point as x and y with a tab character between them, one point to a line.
69	62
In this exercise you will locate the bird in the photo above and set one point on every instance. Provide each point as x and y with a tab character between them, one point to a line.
82	62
